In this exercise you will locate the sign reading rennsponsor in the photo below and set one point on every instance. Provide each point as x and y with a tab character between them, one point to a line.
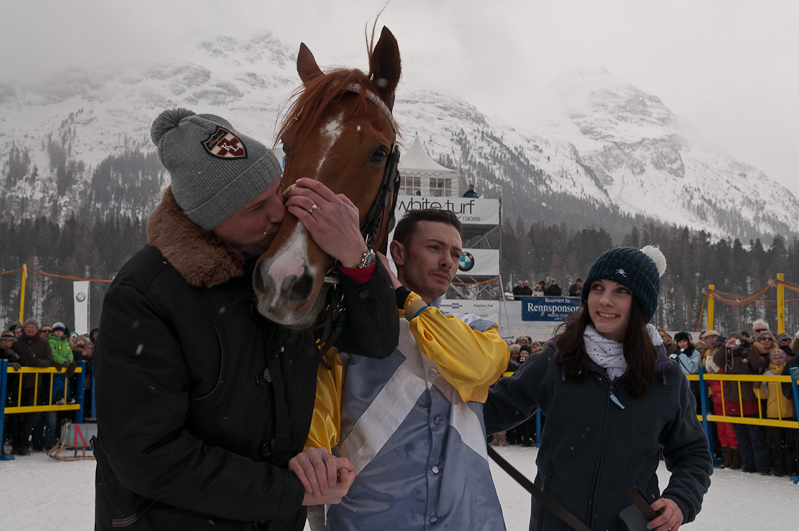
488	310
549	308
470	211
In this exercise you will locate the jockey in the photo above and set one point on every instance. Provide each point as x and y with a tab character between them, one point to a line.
412	424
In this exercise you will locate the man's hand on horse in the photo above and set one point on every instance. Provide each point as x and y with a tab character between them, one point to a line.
331	219
325	477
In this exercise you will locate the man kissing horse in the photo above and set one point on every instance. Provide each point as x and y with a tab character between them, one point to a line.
203	404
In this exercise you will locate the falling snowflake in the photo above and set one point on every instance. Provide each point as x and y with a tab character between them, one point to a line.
621	272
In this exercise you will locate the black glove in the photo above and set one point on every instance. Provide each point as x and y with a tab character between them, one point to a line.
10	355
14	365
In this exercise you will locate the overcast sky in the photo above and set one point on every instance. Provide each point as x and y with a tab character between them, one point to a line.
729	67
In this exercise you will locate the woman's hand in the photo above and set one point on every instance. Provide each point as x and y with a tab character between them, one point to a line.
671	517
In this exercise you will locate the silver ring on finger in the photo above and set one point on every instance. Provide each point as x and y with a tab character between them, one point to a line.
313	207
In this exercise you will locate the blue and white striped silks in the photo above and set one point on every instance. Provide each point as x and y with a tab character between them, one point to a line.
418	449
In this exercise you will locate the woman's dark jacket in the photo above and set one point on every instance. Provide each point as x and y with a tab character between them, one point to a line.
592	451
201	402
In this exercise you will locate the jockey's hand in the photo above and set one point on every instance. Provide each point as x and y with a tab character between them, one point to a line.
333	224
324	476
671	517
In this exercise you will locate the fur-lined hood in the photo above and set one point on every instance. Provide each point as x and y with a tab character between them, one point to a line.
202	258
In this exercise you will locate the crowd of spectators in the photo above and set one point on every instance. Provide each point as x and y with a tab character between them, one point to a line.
523	289
30	344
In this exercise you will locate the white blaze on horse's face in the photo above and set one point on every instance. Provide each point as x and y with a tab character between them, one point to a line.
329	133
291	270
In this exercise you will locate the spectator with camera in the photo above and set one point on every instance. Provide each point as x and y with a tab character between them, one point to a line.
739	357
686	355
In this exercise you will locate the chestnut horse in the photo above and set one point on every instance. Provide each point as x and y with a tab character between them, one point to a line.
339	131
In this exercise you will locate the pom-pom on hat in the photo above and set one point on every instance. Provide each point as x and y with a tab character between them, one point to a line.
777	356
638	270
215	170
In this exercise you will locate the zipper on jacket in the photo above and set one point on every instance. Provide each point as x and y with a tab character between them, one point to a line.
608	410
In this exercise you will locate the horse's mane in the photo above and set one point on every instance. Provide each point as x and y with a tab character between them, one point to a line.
310	100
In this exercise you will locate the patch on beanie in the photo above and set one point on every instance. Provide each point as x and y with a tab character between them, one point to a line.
225	145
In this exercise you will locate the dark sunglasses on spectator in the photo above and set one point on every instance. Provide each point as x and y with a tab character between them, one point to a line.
761	329
46	331
80	345
766	339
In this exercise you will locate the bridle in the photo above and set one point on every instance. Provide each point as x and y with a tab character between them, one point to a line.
373	226
378	221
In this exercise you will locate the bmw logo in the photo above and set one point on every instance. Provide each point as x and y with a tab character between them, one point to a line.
80	297
467	262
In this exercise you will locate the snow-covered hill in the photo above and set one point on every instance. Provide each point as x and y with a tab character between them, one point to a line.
80	143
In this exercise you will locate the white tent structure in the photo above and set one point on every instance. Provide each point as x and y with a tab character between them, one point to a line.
421	175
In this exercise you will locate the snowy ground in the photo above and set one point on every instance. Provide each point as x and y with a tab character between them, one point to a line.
40	493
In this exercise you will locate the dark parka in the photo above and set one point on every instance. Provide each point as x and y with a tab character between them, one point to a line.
193	432
742	360
33	352
592	450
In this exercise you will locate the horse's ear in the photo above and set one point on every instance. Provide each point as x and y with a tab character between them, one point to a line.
385	66
306	64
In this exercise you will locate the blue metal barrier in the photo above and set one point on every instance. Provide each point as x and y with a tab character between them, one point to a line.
3	395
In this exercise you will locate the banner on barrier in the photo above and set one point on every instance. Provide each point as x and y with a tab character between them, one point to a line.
549	308
470	211
488	310
479	262
80	290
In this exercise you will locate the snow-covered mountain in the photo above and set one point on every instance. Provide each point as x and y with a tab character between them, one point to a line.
616	155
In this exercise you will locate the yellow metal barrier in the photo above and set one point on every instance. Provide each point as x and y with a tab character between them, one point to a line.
739	378
53	372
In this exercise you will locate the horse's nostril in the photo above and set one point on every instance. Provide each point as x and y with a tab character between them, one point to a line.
258	280
300	289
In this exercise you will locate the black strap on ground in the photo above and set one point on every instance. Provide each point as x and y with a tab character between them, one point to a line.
545	500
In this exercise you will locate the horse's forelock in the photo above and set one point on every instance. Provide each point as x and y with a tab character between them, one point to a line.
310	100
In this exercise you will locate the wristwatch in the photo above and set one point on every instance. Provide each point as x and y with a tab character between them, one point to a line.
368	258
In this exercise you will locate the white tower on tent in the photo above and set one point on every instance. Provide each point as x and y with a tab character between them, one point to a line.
421	175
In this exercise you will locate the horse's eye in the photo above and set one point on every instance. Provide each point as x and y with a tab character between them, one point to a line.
379	156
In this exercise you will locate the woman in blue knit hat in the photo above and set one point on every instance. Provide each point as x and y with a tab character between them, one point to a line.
612	399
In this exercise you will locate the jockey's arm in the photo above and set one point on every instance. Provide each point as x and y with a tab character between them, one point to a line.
471	360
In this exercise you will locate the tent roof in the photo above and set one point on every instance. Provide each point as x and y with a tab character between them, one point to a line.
416	160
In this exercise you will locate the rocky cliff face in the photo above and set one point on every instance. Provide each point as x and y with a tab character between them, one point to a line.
617	155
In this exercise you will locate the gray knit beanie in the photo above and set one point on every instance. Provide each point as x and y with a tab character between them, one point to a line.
215	170
32	321
639	270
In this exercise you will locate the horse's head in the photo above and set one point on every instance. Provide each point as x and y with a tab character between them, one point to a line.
336	132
